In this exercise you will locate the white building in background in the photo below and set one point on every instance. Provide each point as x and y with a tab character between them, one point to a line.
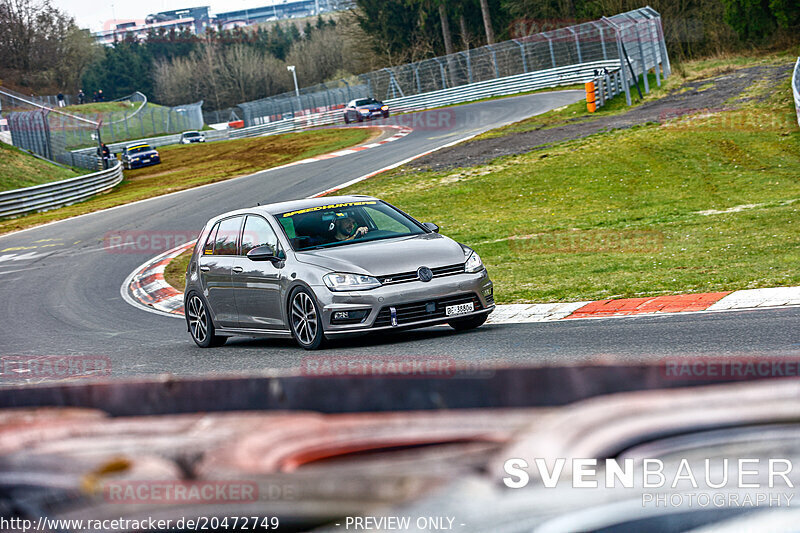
197	19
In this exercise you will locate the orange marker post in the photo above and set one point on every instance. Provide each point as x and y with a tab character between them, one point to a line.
590	97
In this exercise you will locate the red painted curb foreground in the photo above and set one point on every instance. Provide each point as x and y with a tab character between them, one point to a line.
659	304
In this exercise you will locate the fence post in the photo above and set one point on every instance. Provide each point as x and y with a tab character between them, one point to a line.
577	43
652	43
522	54
494	60
622	61
552	52
441	70
469	65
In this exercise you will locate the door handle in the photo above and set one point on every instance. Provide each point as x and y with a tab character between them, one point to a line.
204	269
238	269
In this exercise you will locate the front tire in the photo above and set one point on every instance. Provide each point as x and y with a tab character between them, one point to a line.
468	323
305	319
346	120
201	327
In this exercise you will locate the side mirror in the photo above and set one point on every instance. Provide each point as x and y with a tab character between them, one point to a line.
262	253
431	226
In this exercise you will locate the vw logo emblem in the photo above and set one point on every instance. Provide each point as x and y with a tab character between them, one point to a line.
424	274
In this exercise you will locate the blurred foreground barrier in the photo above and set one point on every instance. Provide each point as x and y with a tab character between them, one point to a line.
59	193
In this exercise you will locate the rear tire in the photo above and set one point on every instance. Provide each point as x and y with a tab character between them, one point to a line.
305	319
468	323
201	327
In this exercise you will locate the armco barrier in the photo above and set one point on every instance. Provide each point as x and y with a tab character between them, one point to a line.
58	194
796	88
567	75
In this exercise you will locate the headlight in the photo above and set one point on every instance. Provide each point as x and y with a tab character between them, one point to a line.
350	282
474	263
385	108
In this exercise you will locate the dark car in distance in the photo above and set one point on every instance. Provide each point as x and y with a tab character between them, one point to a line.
139	155
365	109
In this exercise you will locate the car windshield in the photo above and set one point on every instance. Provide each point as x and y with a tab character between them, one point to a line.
366	101
191	134
139	149
345	223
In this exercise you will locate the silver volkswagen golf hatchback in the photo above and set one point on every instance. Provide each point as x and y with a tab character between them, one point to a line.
324	267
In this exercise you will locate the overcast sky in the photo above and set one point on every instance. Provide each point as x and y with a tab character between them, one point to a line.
95	16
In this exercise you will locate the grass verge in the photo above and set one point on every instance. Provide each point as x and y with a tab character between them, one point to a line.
19	169
702	203
187	166
174	273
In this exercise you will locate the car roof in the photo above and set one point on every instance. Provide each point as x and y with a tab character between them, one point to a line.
137	145
296	205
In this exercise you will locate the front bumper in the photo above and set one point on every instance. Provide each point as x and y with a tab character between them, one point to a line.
476	287
139	164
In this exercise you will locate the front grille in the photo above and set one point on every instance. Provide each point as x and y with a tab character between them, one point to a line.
416	311
405	277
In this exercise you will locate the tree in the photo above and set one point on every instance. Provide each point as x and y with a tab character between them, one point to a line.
487	21
41	47
752	19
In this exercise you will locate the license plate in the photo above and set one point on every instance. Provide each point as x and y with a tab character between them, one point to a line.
460	309
145	160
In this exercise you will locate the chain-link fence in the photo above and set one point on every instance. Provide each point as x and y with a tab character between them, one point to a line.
32	127
55	134
636	36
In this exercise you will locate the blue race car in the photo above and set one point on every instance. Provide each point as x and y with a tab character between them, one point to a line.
139	155
365	109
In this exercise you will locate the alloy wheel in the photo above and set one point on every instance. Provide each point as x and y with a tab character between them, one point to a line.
197	319
304	318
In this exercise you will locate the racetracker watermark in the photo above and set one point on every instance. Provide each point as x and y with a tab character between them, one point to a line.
733	368
145	242
54	366
591	241
181	492
402	367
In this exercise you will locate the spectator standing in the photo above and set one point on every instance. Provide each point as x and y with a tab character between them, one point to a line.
60	98
104	153
100	97
81	97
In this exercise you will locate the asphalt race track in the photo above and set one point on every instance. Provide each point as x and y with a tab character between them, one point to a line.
60	288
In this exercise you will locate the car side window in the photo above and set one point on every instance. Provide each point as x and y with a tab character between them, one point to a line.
258	232
226	242
208	248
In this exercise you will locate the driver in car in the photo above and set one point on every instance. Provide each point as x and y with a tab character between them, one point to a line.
346	229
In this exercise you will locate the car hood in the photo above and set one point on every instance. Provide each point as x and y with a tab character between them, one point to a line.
371	107
390	256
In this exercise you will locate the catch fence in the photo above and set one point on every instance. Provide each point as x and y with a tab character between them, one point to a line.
634	41
72	138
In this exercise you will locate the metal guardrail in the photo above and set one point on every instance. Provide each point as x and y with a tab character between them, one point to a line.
602	88
796	88
531	81
59	193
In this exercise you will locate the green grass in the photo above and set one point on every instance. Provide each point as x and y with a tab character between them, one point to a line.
105	108
187	166
19	169
175	272
619	214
